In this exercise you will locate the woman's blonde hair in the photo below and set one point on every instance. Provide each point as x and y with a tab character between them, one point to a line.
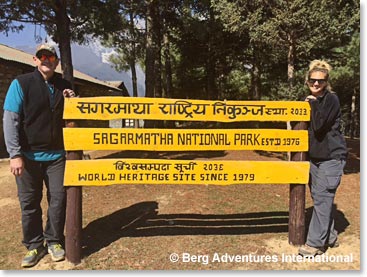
319	66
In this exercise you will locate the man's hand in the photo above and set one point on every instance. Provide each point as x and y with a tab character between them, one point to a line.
68	93
17	166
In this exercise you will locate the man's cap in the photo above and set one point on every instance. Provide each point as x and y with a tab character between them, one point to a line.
46	47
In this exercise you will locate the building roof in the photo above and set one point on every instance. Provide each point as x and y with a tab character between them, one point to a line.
16	55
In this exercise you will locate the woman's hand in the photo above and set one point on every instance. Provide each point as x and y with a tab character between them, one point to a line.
310	97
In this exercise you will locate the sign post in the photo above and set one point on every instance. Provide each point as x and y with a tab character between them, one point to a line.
73	223
297	201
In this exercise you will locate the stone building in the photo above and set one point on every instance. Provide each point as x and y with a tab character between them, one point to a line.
14	62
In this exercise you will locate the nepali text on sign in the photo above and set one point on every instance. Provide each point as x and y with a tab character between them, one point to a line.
107	108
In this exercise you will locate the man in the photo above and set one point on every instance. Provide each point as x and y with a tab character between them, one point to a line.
33	125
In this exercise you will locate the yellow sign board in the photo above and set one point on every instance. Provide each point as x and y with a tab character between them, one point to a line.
185	139
183	172
107	108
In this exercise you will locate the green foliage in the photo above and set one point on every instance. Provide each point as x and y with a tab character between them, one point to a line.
345	80
84	16
236	85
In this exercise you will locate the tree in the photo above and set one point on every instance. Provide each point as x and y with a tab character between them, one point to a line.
201	51
345	80
59	17
292	30
244	18
149	48
127	40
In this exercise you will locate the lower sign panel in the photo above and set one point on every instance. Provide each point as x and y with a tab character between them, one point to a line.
183	172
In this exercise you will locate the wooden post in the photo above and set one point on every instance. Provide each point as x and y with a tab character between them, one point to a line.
297	199
73	224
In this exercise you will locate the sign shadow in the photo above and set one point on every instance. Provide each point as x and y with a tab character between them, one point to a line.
142	220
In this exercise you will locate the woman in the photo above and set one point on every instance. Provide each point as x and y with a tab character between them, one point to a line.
327	152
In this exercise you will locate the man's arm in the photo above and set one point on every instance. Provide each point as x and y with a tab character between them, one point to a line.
11	124
11	135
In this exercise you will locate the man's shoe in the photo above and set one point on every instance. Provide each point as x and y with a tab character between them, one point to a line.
57	252
33	256
306	250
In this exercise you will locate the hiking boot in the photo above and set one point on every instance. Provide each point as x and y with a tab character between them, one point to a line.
335	244
57	252
33	256
306	250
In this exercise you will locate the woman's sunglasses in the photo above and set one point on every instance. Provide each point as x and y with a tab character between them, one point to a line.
320	81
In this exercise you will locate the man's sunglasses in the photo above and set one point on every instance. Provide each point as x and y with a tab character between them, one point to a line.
320	81
43	57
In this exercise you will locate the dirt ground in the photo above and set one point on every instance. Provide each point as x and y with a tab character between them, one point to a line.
239	227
